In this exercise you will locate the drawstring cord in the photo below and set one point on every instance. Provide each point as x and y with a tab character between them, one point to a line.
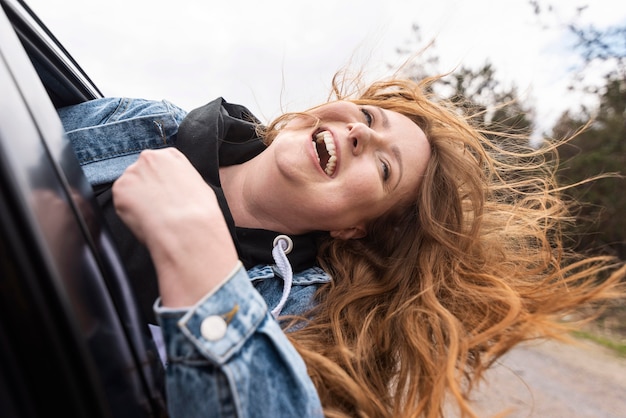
283	246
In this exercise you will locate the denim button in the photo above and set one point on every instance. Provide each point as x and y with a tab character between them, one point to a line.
213	328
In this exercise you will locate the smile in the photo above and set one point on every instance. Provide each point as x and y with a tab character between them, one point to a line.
326	152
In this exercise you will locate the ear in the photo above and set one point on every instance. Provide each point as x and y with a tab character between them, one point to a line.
354	232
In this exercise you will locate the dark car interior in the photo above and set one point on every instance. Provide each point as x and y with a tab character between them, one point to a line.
72	340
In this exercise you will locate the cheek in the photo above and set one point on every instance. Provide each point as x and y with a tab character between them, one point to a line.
369	184
362	193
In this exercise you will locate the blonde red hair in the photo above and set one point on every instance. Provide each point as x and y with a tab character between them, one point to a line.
441	288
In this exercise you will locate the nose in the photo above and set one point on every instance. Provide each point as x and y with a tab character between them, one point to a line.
360	136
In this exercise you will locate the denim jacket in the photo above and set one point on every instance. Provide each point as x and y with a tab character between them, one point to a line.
226	355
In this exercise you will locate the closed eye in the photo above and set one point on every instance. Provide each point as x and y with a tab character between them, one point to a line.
386	172
369	119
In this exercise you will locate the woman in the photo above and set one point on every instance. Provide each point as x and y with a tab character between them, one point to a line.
444	252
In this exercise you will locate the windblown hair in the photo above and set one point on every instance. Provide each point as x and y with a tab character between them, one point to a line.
439	289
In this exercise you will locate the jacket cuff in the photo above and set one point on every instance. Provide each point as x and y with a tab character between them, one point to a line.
218	325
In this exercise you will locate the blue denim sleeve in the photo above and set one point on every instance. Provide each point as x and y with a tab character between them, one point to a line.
228	357
108	134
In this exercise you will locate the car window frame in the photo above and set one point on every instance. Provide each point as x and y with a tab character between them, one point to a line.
56	306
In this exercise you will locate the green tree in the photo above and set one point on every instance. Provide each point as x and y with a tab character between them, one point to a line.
600	148
496	108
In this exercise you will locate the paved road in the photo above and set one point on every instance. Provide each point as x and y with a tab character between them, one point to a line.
556	380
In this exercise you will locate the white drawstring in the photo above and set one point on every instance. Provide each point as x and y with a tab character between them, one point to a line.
283	246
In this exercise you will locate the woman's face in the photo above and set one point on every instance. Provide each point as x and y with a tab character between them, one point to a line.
352	167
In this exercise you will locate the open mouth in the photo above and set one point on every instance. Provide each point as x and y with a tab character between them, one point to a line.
326	153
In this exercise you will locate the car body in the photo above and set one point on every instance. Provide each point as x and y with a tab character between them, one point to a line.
72	339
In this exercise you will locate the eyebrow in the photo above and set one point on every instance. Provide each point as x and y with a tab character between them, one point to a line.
383	118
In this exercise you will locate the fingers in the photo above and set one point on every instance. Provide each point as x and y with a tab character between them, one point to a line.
160	187
168	206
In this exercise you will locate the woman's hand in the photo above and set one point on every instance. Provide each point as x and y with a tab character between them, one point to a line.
169	207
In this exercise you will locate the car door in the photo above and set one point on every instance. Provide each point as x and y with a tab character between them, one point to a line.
72	340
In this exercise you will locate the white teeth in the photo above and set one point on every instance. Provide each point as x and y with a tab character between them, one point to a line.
330	167
326	138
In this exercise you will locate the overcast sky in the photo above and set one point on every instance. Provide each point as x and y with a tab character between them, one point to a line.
271	55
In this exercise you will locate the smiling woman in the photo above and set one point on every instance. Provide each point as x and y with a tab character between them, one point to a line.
416	257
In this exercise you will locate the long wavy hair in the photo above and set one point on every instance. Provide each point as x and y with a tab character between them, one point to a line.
439	289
